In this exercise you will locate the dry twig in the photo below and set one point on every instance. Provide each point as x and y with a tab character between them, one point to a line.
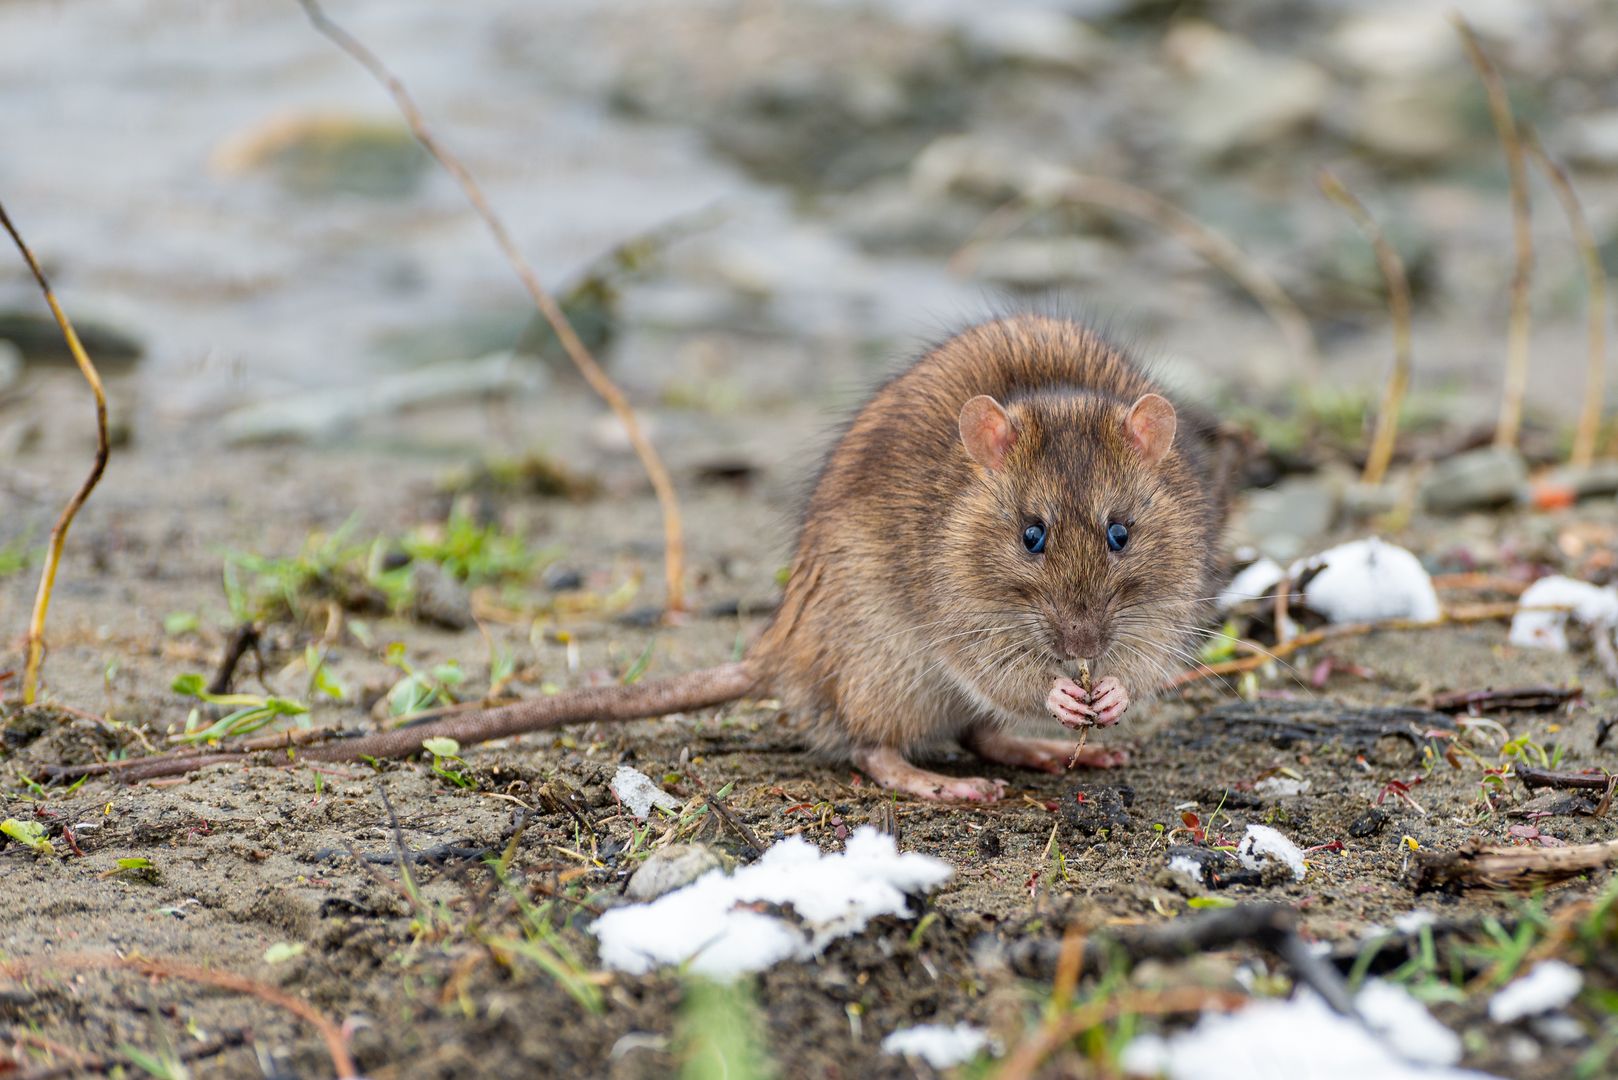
1511	401
53	552
1477	866
1595	283
1123	198
20	967
1031	1054
1393	274
600	382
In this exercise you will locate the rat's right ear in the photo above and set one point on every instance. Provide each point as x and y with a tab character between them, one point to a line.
986	431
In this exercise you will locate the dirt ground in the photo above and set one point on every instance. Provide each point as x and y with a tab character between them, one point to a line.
253	864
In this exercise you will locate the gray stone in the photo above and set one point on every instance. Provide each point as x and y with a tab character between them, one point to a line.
326	413
1410	120
1282	520
1369	500
1599	478
1238	97
438	598
315	155
1592	139
1476	480
672	868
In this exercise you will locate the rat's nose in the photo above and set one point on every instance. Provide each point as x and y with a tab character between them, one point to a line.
1080	640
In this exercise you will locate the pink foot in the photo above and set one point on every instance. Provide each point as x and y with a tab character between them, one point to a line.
888	767
1046	755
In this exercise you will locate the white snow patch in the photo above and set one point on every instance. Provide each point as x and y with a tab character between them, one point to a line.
709	923
1592	606
1551	985
1263	844
1411	1029
1253	582
1303	1039
1412	922
1367	581
1185	864
640	792
1280	787
939	1046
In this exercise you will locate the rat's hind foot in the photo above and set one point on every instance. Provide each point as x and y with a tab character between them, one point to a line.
1046	755
889	768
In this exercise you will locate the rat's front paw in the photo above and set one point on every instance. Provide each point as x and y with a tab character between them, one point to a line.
1109	699
1070	705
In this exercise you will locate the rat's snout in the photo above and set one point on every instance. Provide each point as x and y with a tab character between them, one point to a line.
1079	638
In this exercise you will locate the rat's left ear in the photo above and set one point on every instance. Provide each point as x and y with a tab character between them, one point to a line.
1151	425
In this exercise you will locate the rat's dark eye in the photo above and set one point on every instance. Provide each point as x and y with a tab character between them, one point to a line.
1033	538
1117	536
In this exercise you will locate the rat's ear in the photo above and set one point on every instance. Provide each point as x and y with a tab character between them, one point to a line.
986	431
1151	427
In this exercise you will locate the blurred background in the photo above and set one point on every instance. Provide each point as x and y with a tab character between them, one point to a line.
756	208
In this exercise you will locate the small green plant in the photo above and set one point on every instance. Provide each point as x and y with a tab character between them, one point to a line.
136	867
470	552
250	712
719	1033
180	623
419	690
15	557
446	752
30	834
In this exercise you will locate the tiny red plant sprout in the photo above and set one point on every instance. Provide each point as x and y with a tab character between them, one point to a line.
1330	845
1080	798
1032	884
1194	823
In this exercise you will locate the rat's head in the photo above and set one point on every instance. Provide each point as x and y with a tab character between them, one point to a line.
1080	534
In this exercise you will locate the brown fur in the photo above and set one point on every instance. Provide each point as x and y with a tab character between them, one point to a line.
913	612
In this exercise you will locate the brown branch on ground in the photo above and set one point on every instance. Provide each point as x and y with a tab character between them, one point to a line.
1538	778
1393	274
1595	284
1525	698
1123	198
1511	401
1478	581
600	382
1473	614
20	967
53	551
1477	866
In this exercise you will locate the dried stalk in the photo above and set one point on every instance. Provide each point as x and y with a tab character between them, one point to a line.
1060	1028
20	967
1479	613
1123	198
53	552
600	382
1522	869
1393	274
1511	401
1595	282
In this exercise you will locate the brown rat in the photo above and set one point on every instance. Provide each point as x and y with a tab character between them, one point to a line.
1020	498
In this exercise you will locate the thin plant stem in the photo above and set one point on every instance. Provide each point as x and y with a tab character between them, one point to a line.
1595	281
673	532
1509	428
53	551
1398	284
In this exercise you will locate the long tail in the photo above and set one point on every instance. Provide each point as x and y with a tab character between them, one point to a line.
695	690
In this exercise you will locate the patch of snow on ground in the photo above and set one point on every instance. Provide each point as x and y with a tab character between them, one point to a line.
709	923
1303	1039
939	1046
1552	985
640	792
1252	583
1367	581
1185	864
1594	607
1263	844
